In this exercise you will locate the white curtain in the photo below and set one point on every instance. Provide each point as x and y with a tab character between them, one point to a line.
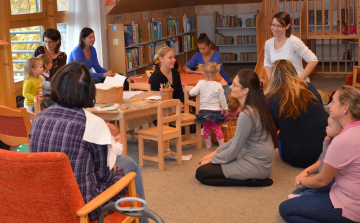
89	13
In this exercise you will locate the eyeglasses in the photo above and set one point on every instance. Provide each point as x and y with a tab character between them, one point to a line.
49	42
234	85
277	26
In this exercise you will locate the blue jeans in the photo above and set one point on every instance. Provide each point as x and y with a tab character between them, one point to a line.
312	208
307	191
129	165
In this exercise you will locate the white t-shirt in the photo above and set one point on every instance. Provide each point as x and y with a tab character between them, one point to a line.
293	50
211	95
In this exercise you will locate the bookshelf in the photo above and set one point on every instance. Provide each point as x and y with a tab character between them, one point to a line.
235	37
132	44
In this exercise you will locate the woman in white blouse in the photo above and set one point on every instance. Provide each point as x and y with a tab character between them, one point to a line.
284	46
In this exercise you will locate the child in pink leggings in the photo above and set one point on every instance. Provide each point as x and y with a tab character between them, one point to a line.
211	96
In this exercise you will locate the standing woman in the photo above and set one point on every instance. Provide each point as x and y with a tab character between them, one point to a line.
52	41
166	73
298	113
284	46
247	159
85	53
342	161
207	54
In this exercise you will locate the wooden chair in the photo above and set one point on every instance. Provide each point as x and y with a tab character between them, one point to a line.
163	133
41	187
15	126
355	74
188	119
37	109
142	87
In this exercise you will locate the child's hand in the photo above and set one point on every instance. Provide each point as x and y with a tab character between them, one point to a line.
226	112
327	138
299	177
118	138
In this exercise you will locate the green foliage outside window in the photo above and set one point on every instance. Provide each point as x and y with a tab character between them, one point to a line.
62	5
23	6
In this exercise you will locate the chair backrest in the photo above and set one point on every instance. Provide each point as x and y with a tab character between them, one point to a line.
139	86
38	187
165	115
15	126
355	74
188	102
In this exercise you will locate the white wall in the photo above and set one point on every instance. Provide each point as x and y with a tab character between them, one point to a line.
205	24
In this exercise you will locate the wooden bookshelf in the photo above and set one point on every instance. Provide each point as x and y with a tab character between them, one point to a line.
118	50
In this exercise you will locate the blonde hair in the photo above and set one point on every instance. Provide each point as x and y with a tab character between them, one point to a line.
29	64
162	52
351	96
294	94
45	58
210	70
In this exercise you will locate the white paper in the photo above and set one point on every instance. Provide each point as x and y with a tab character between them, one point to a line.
105	109
117	80
103	86
154	98
130	94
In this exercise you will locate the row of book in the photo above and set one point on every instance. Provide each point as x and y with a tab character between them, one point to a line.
345	14
251	22
172	26
228	57
246	39
188	23
132	35
227	21
188	43
223	40
248	56
154	30
318	17
134	57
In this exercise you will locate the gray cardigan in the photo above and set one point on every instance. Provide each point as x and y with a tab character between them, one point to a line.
249	154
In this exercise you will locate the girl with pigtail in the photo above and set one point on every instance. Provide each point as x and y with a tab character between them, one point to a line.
211	96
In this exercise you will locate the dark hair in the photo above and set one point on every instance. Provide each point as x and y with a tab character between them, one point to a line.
54	35
73	86
85	32
203	39
284	19
256	100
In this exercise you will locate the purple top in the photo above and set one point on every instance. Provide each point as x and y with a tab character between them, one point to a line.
60	129
58	62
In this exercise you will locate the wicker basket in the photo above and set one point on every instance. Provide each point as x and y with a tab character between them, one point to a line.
110	96
166	93
228	128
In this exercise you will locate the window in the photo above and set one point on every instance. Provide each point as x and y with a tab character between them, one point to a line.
62	29
25	6
62	5
23	43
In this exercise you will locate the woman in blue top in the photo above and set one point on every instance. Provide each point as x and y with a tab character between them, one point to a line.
206	55
85	53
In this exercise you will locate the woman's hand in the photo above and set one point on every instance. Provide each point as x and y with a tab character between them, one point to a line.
110	73
299	177
206	159
188	71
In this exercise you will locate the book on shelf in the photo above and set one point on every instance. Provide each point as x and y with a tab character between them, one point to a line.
154	30
134	57
248	56
251	22
188	23
188	43
228	57
318	17
128	35
172	25
311	17
220	39
344	15
132	35
226	21
246	39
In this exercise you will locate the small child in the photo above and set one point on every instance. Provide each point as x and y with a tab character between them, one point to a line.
211	96
234	108
116	148
333	129
45	76
32	82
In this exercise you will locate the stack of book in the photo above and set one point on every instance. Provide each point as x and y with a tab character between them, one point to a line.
248	56
246	39
188	43
132	35
154	30
223	40
172	25
227	21
188	23
228	57
134	57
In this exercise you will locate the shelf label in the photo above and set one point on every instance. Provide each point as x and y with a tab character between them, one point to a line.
145	15
117	17
166	13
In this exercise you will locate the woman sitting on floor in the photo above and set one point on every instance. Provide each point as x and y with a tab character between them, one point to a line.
298	113
247	159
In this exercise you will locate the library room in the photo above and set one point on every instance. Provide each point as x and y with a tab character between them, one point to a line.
179	111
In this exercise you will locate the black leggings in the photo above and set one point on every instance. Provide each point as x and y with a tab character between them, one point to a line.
212	175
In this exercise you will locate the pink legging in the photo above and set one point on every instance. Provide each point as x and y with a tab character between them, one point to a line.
216	127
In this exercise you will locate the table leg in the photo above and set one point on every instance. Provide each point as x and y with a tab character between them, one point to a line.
123	135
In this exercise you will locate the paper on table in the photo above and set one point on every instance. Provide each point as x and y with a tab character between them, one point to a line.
130	94
103	86
107	108
117	80
154	98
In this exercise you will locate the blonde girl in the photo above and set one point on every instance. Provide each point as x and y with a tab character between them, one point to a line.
211	96
32	82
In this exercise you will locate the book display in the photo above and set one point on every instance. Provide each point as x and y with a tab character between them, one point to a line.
233	47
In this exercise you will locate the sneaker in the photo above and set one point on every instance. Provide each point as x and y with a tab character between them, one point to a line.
293	195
